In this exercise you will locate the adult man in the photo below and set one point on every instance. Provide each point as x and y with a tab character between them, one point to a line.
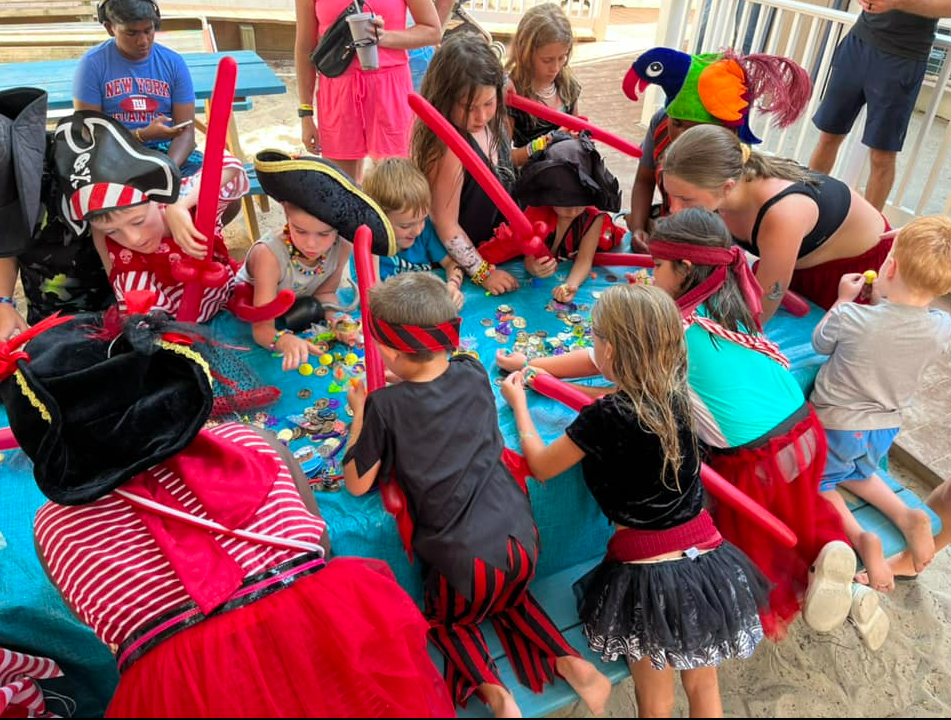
881	62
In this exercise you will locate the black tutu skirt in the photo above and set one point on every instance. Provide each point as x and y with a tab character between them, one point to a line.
685	613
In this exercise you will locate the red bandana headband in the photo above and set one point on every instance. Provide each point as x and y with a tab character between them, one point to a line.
416	338
719	257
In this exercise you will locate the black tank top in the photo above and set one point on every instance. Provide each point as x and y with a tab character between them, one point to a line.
478	215
833	199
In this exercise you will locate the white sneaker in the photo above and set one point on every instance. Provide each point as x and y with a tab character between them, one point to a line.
868	617
829	597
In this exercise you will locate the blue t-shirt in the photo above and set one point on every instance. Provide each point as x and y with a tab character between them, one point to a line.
426	251
133	92
739	394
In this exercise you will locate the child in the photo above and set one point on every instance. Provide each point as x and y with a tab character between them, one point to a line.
568	187
538	69
145	86
402	192
309	256
784	84
751	414
435	435
202	559
670	593
464	83
128	194
877	355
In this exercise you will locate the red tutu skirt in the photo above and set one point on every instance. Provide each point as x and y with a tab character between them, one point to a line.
782	475
821	282
346	641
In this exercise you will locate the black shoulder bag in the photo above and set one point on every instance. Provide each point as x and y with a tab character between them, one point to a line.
335	51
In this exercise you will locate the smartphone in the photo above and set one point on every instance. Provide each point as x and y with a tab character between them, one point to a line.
181	125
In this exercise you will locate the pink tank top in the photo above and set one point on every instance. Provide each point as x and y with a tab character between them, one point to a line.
394	16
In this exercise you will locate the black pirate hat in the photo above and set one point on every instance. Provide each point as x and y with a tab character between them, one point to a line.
323	190
100	165
568	173
22	152
94	402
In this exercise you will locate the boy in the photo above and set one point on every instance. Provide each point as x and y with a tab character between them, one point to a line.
878	354
403	194
435	437
142	230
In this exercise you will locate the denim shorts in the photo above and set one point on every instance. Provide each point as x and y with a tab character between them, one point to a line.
886	84
854	454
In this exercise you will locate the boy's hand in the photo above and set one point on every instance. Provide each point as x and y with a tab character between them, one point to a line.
457	297
500	282
357	396
184	232
850	286
564	293
510	362
295	350
157	130
513	389
639	238
542	268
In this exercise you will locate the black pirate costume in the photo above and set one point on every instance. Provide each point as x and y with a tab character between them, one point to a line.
59	267
102	167
461	500
569	172
325	192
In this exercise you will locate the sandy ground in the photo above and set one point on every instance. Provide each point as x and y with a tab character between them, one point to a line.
807	675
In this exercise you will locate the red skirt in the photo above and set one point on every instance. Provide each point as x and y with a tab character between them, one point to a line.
344	642
783	475
821	283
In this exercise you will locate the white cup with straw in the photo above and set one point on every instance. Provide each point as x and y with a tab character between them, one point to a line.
364	38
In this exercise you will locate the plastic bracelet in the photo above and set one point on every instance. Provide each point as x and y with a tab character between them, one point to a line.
305	106
537	145
482	273
277	336
7	300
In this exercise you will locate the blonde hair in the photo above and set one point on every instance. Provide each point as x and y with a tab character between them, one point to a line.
396	185
649	364
707	156
922	250
413	298
541	25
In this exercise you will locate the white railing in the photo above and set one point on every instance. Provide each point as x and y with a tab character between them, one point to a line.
590	17
809	35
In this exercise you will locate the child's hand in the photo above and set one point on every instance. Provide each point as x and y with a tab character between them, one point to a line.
513	390
850	286
639	238
564	293
295	350
541	268
457	297
500	282
184	232
357	396
157	130
510	362
11	322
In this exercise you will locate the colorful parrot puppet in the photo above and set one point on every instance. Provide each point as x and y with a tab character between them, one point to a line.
721	88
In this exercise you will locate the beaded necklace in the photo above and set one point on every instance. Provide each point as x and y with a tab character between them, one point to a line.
546	93
296	254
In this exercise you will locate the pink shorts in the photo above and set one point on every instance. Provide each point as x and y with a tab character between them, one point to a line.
365	113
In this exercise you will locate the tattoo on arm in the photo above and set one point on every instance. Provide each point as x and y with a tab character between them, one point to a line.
776	292
463	252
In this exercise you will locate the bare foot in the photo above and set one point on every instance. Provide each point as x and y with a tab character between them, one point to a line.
590	683
880	576
916	527
500	701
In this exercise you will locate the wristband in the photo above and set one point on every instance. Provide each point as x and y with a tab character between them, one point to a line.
305	110
277	336
482	273
537	145
7	300
138	135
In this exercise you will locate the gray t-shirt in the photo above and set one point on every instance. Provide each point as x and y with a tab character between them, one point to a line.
878	354
647	144
897	33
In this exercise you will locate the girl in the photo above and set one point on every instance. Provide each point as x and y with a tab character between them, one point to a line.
538	69
752	415
808	229
361	112
670	594
464	83
309	255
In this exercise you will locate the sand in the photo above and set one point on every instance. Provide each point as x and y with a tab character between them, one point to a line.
807	675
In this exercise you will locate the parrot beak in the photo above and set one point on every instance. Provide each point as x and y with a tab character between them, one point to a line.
633	85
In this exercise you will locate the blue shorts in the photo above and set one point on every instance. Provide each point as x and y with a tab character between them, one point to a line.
854	454
886	84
